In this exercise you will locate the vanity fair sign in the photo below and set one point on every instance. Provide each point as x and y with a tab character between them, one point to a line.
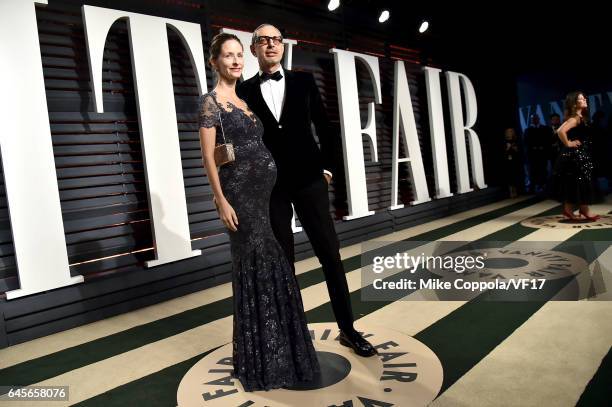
27	151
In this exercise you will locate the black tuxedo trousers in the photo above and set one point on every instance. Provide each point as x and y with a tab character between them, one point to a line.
311	204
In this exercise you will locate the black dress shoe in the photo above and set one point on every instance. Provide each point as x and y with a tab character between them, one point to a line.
358	343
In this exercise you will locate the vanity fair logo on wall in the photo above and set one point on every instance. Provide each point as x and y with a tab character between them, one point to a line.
404	373
38	232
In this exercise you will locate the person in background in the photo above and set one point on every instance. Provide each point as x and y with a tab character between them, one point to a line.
537	140
555	143
608	152
601	156
512	163
574	180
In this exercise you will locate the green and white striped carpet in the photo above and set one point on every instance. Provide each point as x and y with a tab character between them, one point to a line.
537	353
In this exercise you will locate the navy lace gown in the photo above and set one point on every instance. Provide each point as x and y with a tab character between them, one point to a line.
272	346
573	178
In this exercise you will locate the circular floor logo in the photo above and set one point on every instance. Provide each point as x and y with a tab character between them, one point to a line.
520	261
404	373
521	267
559	222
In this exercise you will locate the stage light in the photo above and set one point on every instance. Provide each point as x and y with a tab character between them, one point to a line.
424	26
384	16
333	4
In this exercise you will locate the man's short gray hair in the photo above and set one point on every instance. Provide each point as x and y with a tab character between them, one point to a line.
254	37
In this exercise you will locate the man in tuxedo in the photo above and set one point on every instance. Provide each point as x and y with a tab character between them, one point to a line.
537	138
287	103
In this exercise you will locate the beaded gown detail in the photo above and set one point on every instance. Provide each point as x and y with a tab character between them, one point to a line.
573	177
272	346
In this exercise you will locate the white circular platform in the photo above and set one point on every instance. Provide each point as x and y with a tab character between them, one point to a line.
405	373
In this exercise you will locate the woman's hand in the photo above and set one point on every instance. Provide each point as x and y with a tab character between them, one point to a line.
227	214
573	143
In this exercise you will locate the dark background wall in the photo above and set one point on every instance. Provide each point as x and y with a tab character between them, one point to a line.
543	93
522	55
99	159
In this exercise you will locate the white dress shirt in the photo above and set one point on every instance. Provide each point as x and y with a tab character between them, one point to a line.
273	93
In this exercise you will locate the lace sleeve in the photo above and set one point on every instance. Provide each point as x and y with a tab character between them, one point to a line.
208	112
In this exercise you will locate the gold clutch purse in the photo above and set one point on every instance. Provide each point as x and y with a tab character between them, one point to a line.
224	153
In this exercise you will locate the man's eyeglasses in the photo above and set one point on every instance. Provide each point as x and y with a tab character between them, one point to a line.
264	39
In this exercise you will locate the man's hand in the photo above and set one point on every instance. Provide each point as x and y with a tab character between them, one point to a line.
327	178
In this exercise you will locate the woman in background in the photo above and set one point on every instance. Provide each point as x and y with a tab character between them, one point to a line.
573	175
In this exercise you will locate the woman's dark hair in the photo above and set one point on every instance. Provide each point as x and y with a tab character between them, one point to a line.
571	101
217	42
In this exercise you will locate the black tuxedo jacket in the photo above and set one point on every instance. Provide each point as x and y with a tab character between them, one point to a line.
299	160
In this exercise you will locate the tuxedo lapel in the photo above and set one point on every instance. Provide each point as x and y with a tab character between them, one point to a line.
260	106
289	87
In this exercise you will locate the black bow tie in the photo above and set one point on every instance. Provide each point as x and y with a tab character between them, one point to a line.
265	76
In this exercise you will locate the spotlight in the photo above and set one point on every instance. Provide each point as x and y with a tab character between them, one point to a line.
384	16
424	26
333	4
